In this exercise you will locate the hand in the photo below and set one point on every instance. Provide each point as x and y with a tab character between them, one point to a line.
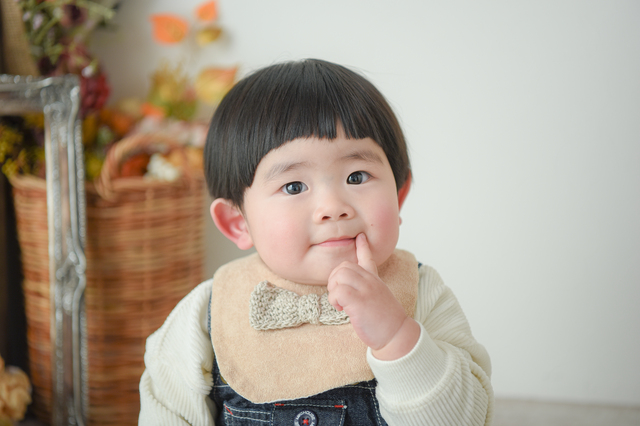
377	317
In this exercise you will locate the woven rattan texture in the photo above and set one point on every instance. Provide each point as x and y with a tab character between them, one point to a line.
144	253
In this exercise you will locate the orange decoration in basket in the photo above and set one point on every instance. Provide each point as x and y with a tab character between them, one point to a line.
136	165
207	11
168	28
151	110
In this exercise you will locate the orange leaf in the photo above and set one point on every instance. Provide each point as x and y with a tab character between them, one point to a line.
207	11
151	110
168	28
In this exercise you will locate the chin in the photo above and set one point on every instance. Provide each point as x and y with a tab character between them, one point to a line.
306	277
320	279
316	274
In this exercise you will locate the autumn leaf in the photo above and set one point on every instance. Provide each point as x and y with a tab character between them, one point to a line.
168	28
213	83
207	11
207	35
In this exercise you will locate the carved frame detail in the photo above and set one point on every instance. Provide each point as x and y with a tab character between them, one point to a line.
59	99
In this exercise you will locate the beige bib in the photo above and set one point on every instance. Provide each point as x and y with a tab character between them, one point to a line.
292	363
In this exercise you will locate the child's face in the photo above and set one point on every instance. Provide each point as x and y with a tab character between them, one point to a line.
311	197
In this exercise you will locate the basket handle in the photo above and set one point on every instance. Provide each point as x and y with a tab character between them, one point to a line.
138	142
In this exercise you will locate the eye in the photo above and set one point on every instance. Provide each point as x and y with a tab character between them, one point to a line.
356	178
294	188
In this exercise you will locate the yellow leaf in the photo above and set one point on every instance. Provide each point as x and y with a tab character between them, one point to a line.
208	35
213	83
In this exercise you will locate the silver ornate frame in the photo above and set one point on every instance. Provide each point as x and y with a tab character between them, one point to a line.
59	99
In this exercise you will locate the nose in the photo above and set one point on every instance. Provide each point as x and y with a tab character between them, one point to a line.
333	207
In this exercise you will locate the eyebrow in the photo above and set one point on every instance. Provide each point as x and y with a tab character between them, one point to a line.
281	168
363	155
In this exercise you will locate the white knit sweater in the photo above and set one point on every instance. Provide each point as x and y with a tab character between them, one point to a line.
444	380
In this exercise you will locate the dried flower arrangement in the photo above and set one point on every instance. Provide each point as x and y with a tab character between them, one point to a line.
57	31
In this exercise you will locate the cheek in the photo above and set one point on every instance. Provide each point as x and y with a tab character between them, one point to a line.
386	222
278	232
384	229
280	244
383	211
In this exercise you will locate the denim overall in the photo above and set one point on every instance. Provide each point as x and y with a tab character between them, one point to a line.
351	405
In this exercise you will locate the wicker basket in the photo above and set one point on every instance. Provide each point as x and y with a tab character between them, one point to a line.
144	253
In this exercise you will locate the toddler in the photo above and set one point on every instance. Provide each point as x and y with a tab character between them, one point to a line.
327	323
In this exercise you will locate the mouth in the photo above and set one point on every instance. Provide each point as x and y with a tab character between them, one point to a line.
337	242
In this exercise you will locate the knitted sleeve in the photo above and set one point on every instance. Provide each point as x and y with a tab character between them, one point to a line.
445	379
175	386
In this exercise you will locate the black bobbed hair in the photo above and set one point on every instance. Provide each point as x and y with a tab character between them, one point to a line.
291	100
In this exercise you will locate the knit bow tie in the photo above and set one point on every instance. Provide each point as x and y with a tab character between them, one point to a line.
272	308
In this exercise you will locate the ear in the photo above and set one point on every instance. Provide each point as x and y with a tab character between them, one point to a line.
404	190
230	221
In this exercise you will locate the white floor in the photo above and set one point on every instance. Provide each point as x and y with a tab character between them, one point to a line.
529	413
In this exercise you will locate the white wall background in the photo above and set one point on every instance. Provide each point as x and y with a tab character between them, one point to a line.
524	127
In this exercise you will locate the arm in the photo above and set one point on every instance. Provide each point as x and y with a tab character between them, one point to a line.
445	378
430	369
175	386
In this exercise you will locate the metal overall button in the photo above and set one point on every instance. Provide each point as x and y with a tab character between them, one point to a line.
306	418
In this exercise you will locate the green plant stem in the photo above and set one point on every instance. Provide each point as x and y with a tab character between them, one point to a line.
45	28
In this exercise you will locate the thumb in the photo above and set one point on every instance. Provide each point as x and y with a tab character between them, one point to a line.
363	253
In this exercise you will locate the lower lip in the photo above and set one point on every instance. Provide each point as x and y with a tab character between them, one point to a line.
337	243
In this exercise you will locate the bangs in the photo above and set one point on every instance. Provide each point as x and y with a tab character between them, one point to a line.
312	101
